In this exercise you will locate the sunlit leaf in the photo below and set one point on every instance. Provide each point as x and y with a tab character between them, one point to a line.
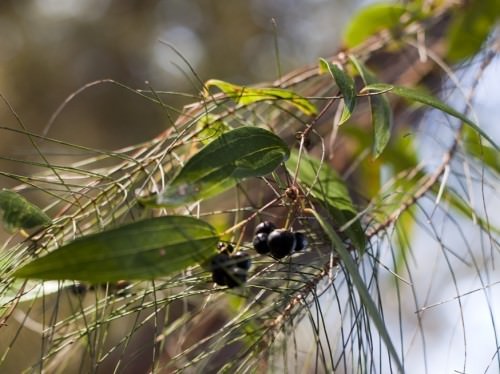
421	97
141	250
18	213
360	286
346	86
328	187
464	208
235	155
249	95
371	20
210	128
487	155
380	108
470	28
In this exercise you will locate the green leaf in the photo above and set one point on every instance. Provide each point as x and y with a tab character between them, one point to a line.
381	111
141	250
462	207
421	97
249	95
18	213
235	155
328	187
486	155
346	86
363	291
211	127
470	28
371	20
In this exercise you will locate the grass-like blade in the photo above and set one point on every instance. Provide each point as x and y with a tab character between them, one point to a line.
329	188
144	250
422	97
18	213
345	83
380	108
360	286
249	95
235	155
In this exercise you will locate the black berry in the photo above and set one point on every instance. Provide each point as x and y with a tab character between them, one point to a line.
281	243
242	260
260	243
300	240
265	227
219	276
236	277
219	262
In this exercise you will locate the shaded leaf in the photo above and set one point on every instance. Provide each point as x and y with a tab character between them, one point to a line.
328	187
421	97
249	95
360	286
19	213
371	20
235	155
346	86
381	111
141	250
470	28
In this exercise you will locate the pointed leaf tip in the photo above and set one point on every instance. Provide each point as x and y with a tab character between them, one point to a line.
345	83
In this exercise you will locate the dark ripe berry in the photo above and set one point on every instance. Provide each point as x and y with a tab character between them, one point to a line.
265	227
219	276
300	240
219	261
281	243
236	277
241	260
260	243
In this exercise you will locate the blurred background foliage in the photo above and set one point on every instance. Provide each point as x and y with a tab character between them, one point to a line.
49	48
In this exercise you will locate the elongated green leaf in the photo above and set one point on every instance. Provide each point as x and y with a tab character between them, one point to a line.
486	155
235	155
249	95
372	19
381	111
18	213
421	97
327	186
141	250
346	86
363	291
462	207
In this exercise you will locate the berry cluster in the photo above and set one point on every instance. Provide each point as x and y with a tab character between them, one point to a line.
278	242
230	269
